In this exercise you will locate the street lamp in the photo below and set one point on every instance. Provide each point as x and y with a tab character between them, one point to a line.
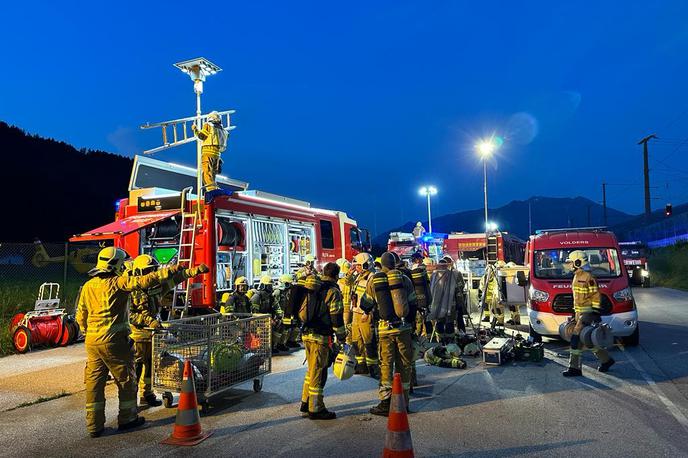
198	69
428	191
485	148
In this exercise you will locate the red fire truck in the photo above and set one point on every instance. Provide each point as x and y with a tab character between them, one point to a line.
635	259
250	233
502	246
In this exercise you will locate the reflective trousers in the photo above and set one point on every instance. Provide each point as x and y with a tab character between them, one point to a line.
116	358
396	355
363	337
143	359
575	358
209	165
317	356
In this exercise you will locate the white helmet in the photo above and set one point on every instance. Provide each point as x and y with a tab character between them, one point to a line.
344	365
365	260
214	117
579	258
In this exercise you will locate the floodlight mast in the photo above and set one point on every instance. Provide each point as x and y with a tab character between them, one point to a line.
198	69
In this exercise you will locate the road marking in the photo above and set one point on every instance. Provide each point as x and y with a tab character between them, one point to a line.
673	408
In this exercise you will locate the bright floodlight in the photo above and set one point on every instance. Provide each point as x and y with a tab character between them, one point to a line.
427	191
486	147
198	68
491	226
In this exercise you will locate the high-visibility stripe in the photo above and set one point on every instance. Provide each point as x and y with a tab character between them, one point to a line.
360	359
398	441
187	417
128	404
95	406
315	392
372	361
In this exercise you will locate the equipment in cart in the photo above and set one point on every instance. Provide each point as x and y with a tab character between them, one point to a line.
46	324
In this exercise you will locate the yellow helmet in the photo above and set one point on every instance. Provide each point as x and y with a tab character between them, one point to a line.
344	365
428	261
286	279
144	264
344	265
579	258
266	280
241	284
110	259
309	258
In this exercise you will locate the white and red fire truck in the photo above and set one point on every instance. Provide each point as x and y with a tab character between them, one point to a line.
250	233
502	246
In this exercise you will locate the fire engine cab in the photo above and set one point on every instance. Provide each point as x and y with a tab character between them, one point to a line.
249	233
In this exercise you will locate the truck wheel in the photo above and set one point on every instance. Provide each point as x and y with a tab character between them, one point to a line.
534	334
22	339
633	340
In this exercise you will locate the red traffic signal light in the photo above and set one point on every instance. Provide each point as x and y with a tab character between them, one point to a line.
668	210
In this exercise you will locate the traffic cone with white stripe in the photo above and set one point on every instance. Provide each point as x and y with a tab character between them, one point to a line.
398	438
187	426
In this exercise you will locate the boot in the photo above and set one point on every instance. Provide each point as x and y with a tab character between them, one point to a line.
322	415
572	372
604	367
96	434
382	409
293	344
151	400
282	347
275	351
374	372
304	408
361	369
138	421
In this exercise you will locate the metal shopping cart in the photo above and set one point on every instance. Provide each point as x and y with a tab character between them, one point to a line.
224	349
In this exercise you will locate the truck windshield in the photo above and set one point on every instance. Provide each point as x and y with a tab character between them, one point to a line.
551	264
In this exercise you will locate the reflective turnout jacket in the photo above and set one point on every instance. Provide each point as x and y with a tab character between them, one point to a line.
103	307
145	306
586	294
329	318
213	137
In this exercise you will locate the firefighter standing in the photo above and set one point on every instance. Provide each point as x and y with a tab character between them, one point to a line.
290	329
238	302
262	301
102	315
322	316
144	316
362	323
214	142
347	276
586	305
388	294
493	300
308	267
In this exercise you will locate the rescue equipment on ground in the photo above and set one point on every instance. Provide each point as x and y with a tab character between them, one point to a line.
498	350
47	324
445	356
528	349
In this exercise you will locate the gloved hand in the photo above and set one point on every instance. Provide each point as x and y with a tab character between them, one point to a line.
194	127
155	324
199	269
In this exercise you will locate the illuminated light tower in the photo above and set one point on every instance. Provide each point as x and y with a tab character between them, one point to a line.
428	191
485	149
198	69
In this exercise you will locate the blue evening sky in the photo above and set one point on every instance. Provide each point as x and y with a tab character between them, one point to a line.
354	105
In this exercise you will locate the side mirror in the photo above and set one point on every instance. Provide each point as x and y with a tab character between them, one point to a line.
521	278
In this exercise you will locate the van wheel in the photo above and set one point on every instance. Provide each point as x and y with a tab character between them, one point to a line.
633	340
534	334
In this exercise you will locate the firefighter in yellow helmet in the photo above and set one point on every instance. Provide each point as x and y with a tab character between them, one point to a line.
362	323
262	301
144	316
102	314
308	267
391	294
290	330
321	315
493	296
345	283
214	141
586	305
238	302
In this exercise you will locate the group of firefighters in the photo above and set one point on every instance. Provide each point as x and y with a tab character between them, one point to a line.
380	307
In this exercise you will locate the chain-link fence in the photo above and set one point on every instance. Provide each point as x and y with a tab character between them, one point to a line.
25	266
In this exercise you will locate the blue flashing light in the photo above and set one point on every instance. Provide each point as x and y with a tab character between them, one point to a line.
117	204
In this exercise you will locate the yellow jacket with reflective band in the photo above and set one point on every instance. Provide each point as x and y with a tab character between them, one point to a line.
586	294
103	307
145	306
346	285
214	139
359	289
331	320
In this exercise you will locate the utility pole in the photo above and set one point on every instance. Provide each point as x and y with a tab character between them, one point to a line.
646	172
604	203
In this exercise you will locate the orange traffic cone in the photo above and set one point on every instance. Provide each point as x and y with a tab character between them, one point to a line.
398	439
187	426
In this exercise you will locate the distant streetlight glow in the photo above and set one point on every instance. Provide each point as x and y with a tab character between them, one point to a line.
485	149
428	191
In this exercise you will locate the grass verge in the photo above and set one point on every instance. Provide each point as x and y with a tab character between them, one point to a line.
41	399
669	266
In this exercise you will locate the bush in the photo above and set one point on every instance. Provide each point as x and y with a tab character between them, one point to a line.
669	266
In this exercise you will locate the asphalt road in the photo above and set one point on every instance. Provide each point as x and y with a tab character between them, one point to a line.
640	408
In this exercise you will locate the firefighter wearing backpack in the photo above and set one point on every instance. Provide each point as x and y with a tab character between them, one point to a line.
362	323
321	314
144	316
290	329
238	301
102	314
347	276
392	296
213	143
586	305
262	301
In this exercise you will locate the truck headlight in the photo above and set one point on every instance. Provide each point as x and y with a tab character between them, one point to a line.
623	295
537	295
644	273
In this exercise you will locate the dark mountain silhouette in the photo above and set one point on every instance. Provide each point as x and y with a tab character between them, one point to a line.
546	213
54	190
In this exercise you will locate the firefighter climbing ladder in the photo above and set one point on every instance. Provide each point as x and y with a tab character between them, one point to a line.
185	255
